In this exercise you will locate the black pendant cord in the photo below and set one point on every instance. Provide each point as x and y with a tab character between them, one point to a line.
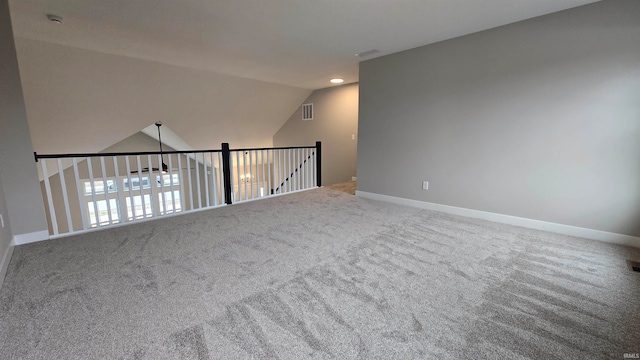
163	167
158	124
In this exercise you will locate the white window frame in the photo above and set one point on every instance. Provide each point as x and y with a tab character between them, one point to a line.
154	195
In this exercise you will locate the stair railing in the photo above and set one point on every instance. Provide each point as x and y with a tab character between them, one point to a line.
89	191
302	167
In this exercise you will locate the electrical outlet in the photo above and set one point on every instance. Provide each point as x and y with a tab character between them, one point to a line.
425	185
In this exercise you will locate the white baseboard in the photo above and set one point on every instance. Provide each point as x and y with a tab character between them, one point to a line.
592	234
30	237
4	264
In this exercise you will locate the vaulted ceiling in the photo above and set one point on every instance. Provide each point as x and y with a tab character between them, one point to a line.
231	70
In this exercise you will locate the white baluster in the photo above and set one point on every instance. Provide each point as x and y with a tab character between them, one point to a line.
80	188
47	187
63	185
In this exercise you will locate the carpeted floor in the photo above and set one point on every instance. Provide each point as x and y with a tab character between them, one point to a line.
349	187
320	275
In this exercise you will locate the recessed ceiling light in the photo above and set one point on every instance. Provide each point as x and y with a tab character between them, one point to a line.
336	81
54	19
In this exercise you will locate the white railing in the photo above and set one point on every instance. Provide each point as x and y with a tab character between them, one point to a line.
264	172
84	192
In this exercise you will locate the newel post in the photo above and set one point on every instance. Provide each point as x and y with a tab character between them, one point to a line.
226	172
318	163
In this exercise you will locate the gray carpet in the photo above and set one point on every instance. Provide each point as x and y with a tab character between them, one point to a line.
320	275
349	187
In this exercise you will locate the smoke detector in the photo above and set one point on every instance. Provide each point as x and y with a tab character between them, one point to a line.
54	19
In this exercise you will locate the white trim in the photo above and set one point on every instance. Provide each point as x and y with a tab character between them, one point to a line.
592	234
4	264
30	237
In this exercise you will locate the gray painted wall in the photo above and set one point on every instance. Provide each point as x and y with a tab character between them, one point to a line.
19	176
5	238
335	121
539	119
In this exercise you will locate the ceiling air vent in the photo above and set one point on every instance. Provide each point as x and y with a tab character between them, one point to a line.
368	53
307	111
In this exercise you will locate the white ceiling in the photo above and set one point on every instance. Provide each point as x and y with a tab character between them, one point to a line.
300	43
